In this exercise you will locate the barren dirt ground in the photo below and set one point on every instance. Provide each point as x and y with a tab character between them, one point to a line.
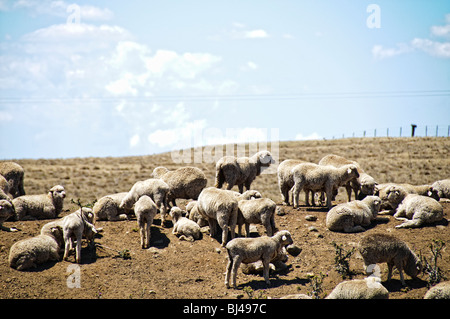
177	269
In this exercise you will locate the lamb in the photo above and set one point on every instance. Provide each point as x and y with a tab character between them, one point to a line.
74	227
184	228
30	252
309	176
359	289
6	211
4	189
442	188
440	291
380	248
184	183
350	217
194	215
250	250
107	208
256	211
424	190
156	189
145	210
44	206
14	174
286	178
417	210
241	171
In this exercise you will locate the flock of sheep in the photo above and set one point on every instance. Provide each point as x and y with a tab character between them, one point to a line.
214	206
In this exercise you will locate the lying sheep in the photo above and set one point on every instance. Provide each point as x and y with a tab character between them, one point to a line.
44	206
312	177
107	208
424	190
145	210
14	174
440	291
6	211
184	183
286	178
442	188
367	288
76	225
256	211
183	228
350	217
278	263
156	189
194	215
30	252
4	189
417	210
241	171
250	250
380	248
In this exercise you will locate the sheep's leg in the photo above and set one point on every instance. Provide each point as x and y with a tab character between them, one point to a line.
67	247
78	249
266	270
224	235
247	229
236	263
329	192
402	279
415	223
285	194
228	273
296	193
348	188
390	267
241	188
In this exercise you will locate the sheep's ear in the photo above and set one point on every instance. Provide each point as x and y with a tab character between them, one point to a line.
284	238
349	170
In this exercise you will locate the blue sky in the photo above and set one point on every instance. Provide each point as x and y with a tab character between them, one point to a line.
119	78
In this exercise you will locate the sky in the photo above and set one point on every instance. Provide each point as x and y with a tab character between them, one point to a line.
122	78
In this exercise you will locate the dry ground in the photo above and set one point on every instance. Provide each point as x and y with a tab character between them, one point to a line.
178	269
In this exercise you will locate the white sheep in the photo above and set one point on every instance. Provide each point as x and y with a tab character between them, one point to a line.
352	216
145	210
14	174
368	288
380	248
424	190
6	211
416	210
250	250
241	171
313	177
256	211
440	291
107	208
184	182
286	178
194	215
442	188
183	228
156	189
44	206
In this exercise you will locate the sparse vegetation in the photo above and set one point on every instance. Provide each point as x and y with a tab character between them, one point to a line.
434	272
316	282
342	260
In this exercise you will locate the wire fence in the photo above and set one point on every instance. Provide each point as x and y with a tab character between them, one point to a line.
402	131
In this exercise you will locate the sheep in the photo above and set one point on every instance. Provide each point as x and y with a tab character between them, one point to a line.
424	190
309	176
278	263
184	183
76	225
286	178
44	206
250	250
4	189
417	210
241	171
350	217
184	228
440	291
363	186
367	288
156	189
256	211
194	215
30	252
6	211
442	188
14	174
380	248
145	210
107	208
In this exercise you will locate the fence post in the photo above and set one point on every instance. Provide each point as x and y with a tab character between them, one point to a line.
413	129
437	130
400	131
426	130
387	132
375	133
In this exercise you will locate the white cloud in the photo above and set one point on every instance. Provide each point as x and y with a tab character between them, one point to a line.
379	52
252	65
313	136
439	49
5	116
134	140
256	34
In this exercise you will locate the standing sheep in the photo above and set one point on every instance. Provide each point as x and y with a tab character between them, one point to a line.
312	177
44	206
156	189
241	171
380	248
250	250
14	174
417	210
256	211
107	208
6	211
442	188
350	217
367	288
184	183
145	210
184	228
286	178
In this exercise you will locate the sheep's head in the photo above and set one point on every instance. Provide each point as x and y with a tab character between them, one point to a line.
413	266
159	172
265	158
433	193
127	202
374	203
57	192
6	210
285	237
175	213
250	194
352	171
394	196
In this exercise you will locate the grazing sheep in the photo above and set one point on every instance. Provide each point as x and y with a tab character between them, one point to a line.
442	188
308	176
363	186
145	210
256	211
6	211
44	206
184	228
14	174
417	210
359	289
286	178
380	248
250	250
350	217
241	171
156	189
184	183
107	208
440	291
76	225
